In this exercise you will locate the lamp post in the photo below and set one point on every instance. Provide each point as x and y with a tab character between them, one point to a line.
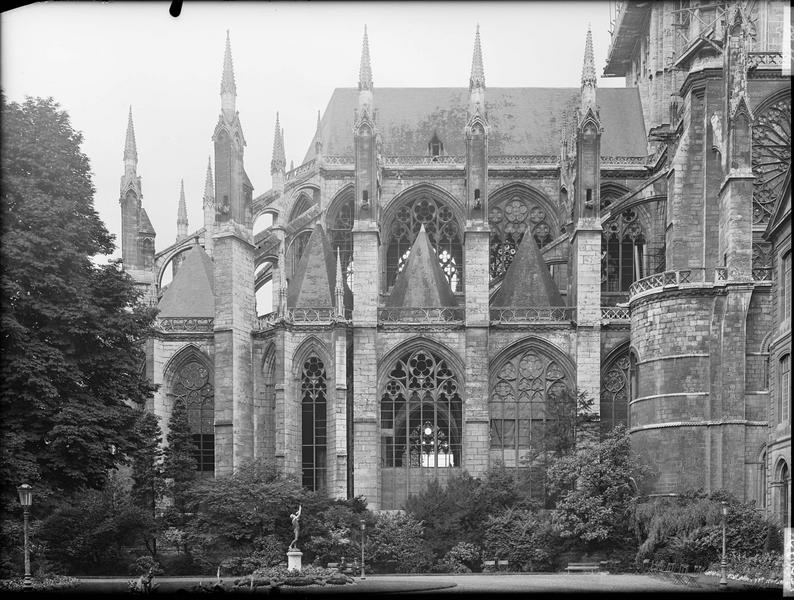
723	561
26	499
363	527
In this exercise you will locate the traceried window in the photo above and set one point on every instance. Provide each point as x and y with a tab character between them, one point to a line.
771	157
509	220
313	422
623	252
442	230
193	387
615	393
341	232
784	286
421	414
784	393
527	393
297	248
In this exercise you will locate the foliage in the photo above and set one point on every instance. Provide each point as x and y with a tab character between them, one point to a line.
595	491
145	564
765	567
687	528
463	557
396	545
146	470
456	512
568	415
49	583
522	537
308	575
179	464
71	328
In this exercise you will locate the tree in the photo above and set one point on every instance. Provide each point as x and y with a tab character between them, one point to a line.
71	328
147	476
179	465
595	490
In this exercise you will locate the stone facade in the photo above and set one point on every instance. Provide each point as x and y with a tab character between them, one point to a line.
651	215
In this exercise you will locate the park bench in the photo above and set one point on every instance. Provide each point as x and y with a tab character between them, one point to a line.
503	564
488	565
581	567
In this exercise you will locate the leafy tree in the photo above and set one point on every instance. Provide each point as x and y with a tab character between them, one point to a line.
522	537
179	464
396	545
146	467
595	491
70	328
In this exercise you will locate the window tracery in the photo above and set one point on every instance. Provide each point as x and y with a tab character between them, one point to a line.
193	387
509	220
421	414
615	393
623	252
313	421
526	394
771	157
442	230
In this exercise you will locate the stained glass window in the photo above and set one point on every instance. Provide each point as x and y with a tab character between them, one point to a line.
623	252
421	414
194	387
442	231
771	157
509	220
313	421
615	393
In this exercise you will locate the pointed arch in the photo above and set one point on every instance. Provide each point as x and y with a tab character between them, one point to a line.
312	345
339	219
616	392
514	209
417	343
443	218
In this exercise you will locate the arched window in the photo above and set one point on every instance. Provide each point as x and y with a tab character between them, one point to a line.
509	219
615	393
761	490
340	228
302	204
313	423
783	486
421	414
623	252
528	392
296	249
442	230
771	156
193	386
784	393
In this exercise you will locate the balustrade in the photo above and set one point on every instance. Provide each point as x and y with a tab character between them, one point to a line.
421	315
615	313
510	314
184	324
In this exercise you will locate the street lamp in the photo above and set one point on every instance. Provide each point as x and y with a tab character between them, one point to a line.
363	527
26	499
724	562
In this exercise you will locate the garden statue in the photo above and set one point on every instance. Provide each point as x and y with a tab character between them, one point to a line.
295	517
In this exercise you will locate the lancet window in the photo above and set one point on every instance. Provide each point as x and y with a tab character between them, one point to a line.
421	414
529	393
623	252
341	232
615	393
509	220
442	230
193	387
313	422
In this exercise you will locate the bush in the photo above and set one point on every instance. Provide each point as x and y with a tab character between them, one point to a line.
50	583
308	575
524	538
143	564
766	567
395	545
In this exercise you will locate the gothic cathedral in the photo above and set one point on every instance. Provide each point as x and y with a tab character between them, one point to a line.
448	265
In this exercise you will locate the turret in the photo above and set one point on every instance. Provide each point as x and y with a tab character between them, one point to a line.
477	138
365	141
588	76
130	199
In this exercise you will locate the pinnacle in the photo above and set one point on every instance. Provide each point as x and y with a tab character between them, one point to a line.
182	211
279	160
227	81
209	186
588	68
130	149
477	78
365	72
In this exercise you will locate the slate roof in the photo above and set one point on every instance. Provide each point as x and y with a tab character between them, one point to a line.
421	283
145	225
192	292
522	120
528	281
312	286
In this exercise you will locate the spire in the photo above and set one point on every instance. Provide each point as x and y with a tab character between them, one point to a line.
339	291
318	140
477	79
422	283
278	162
209	185
228	87
589	78
130	149
365	72
181	219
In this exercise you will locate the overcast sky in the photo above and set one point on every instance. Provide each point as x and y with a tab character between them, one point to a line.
97	59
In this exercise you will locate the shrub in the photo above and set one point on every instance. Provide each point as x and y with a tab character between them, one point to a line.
524	538
395	545
50	583
143	564
308	575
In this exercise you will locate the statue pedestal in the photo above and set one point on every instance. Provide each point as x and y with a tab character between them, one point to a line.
294	560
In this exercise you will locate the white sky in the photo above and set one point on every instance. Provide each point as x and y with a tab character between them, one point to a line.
98	59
